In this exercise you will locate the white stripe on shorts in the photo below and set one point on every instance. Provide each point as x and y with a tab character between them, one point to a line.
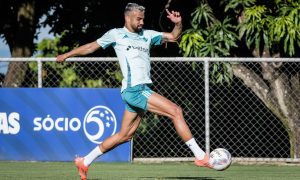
146	94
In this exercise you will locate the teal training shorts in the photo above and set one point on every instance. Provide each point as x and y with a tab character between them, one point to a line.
136	97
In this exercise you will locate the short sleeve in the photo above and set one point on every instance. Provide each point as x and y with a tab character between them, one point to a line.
107	39
156	37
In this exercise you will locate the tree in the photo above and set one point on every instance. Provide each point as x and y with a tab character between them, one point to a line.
265	29
69	74
19	20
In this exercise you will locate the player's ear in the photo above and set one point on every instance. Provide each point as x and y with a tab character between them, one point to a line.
127	18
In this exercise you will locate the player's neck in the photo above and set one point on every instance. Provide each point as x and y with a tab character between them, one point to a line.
130	29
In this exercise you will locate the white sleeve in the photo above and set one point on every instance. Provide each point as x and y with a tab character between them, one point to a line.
156	37
107	39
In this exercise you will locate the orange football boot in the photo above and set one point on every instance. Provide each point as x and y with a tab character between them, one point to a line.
204	162
82	169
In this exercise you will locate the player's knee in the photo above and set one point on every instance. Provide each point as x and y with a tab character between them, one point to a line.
177	111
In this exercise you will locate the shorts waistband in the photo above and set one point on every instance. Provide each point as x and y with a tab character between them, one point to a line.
138	87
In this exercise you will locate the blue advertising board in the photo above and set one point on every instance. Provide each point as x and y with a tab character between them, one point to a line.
56	124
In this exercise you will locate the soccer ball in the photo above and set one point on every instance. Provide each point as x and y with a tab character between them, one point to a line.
220	159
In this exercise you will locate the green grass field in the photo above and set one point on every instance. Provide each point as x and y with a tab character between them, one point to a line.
115	171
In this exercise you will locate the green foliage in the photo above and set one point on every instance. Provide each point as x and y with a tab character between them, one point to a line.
69	78
286	28
220	39
214	38
203	13
66	74
191	43
254	26
221	73
282	28
210	37
264	26
51	48
261	26
272	29
237	5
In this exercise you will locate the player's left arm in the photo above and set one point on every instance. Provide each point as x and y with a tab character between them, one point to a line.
173	36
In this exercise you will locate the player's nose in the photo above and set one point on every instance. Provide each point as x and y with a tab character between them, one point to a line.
142	22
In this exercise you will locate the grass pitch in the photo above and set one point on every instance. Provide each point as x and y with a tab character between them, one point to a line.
134	171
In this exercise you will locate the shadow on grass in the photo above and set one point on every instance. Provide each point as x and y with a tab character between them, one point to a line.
181	178
196	178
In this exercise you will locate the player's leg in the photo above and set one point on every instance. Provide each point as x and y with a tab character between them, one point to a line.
130	123
163	106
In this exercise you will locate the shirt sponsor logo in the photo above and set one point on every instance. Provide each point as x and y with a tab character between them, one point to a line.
140	48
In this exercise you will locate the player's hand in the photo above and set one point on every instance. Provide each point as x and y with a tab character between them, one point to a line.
61	58
174	16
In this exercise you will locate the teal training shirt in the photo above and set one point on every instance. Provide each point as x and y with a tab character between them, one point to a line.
133	52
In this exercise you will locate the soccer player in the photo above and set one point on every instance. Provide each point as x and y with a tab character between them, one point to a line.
132	45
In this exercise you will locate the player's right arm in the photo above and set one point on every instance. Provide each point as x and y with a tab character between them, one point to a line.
173	36
80	51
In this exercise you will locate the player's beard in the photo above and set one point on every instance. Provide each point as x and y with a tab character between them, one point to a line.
138	28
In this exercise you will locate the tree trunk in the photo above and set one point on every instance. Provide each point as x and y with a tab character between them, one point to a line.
280	94
276	90
20	40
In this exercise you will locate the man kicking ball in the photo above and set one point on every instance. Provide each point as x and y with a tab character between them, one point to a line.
132	45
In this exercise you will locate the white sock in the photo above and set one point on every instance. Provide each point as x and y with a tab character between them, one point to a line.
88	159
198	152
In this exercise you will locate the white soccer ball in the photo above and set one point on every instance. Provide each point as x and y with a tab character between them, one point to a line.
220	159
